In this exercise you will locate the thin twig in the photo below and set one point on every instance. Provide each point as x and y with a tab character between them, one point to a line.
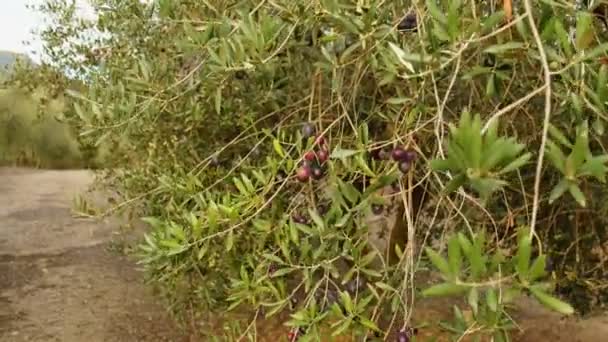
512	106
547	79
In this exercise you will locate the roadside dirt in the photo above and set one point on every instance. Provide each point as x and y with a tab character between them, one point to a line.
60	280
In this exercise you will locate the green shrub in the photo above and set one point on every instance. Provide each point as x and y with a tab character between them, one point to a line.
30	139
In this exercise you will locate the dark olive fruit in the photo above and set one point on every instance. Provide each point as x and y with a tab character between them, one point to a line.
351	286
308	130
240	75
601	13
408	24
410	155
323	155
488	60
317	173
377	209
320	141
356	284
310	156
374	154
303	174
362	282
328	300
404	166
548	265
403	336
398	154
332	297
306	163
298	218
272	268
322	209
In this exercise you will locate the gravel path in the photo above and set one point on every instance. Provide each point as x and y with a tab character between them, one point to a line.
58	279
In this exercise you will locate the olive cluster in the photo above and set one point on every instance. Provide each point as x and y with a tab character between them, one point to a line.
404	157
312	165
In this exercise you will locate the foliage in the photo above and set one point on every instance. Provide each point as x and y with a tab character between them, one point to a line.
32	129
27	139
579	163
490	282
206	133
479	158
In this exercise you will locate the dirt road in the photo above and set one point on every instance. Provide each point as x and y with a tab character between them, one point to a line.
58	279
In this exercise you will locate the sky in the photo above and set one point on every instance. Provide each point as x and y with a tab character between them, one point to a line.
17	22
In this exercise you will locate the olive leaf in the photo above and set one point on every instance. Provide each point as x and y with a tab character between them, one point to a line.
551	302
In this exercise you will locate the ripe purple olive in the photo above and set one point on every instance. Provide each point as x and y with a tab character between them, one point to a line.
548	265
271	269
317	173
351	286
323	155
320	141
408	24
404	166
410	155
377	209
375	154
240	75
298	218
306	163
308	130
399	154
356	284
310	156
332	297
322	209
303	174
403	336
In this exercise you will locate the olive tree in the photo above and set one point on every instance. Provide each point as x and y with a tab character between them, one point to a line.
262	140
